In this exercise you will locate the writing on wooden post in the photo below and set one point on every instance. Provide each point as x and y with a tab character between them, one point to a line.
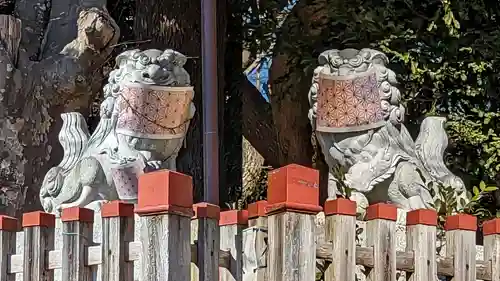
255	243
461	245
77	236
8	229
205	236
421	241
117	233
340	230
381	236
165	204
293	198
38	241
231	224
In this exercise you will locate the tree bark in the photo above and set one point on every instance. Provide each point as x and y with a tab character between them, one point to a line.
50	61
290	80
280	131
176	24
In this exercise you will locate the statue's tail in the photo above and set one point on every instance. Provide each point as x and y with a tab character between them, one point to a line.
74	136
430	147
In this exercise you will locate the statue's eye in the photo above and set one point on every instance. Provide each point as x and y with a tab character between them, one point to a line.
365	156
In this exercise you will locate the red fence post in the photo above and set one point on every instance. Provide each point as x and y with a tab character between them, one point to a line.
165	205
293	197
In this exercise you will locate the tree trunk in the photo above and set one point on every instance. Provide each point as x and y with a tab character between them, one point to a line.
281	131
50	61
176	24
290	79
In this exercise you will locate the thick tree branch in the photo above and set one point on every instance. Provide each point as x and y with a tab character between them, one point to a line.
61	28
71	73
258	126
280	131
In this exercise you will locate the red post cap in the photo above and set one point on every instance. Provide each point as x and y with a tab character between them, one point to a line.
491	227
77	214
8	223
232	217
163	192
39	218
340	206
461	222
421	217
382	211
293	188
117	209
206	210
257	209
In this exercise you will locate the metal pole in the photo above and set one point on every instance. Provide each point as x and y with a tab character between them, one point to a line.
210	100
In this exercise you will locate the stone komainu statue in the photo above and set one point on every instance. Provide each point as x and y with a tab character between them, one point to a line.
144	119
357	116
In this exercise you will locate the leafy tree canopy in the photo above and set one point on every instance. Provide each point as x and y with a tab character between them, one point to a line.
445	55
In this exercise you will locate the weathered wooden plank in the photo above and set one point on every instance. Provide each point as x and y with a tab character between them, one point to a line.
381	235
364	256
491	232
404	261
8	228
224	256
421	240
291	247
231	225
255	242
77	235
38	241
340	230
206	236
461	245
117	232
166	252
293	198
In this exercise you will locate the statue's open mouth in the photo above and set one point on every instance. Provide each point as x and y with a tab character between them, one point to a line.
362	177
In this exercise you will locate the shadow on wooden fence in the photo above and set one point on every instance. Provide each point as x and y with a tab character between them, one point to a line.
273	240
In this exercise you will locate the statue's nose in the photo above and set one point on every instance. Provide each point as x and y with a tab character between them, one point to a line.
151	72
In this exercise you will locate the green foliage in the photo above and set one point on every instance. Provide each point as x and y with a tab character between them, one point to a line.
445	55
344	190
448	203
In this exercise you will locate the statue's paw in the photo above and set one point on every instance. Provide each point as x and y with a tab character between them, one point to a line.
96	206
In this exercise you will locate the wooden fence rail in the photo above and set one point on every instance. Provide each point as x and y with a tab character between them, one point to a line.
273	240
